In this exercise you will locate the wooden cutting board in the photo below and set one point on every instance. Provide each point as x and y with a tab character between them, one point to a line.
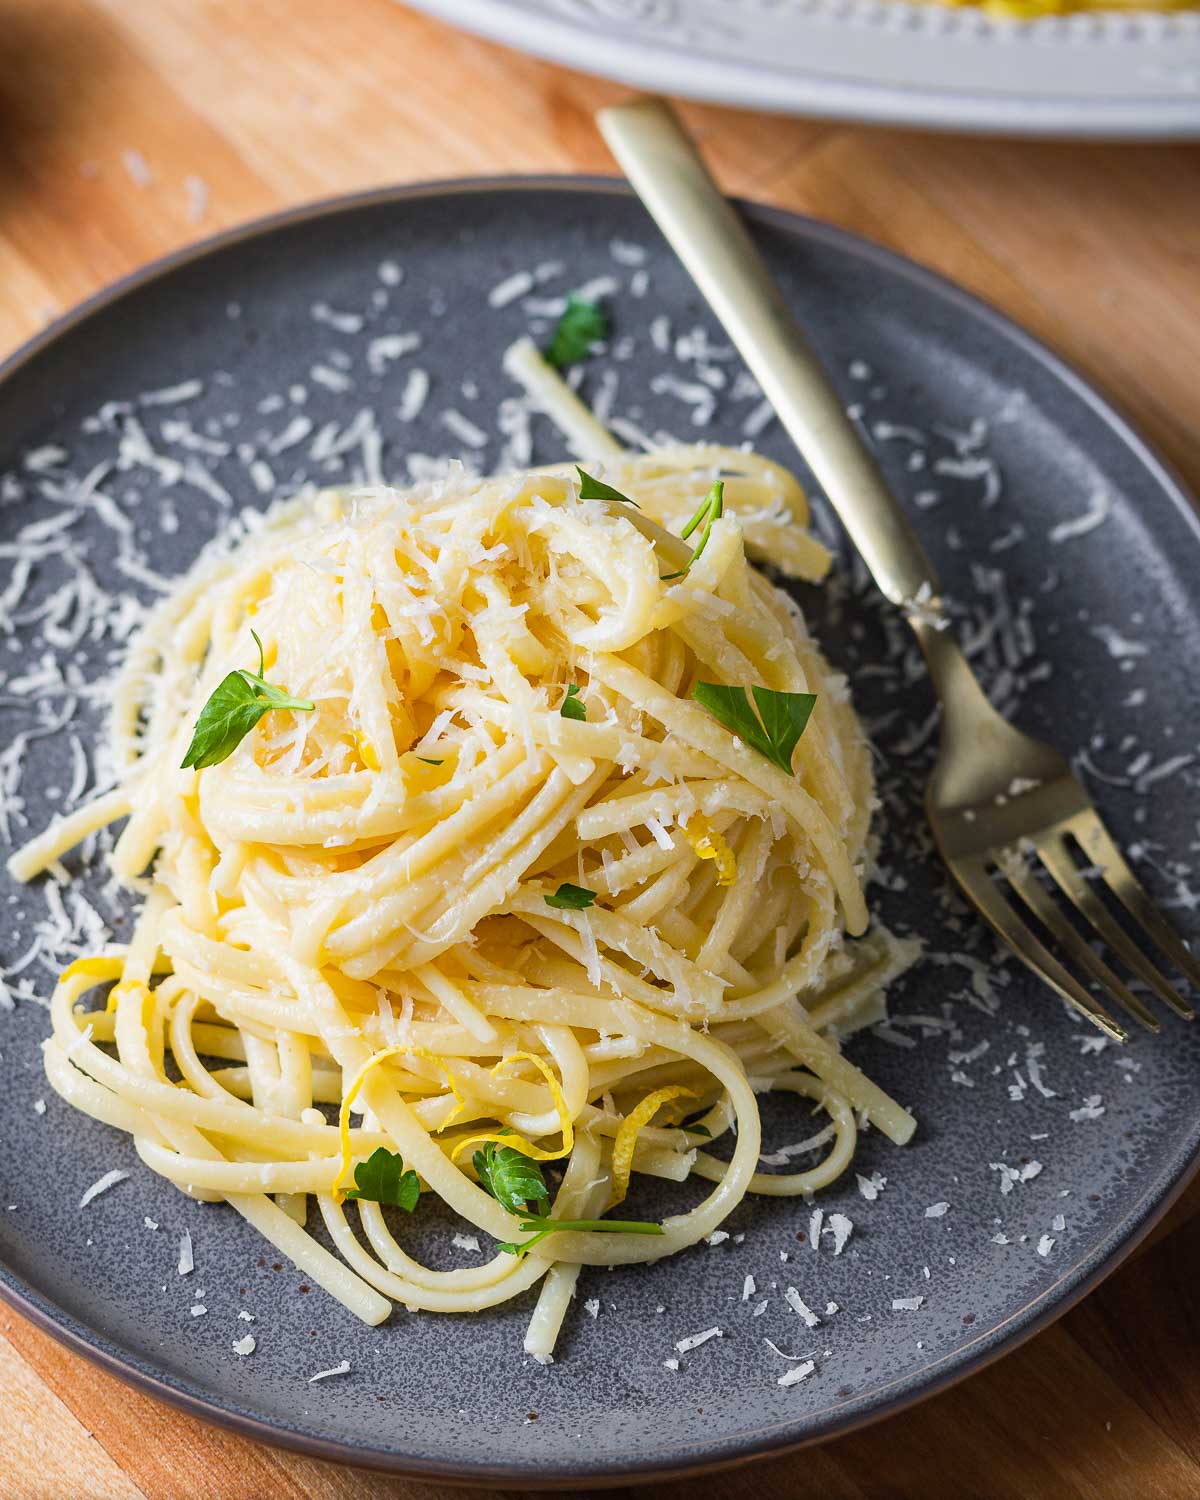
130	127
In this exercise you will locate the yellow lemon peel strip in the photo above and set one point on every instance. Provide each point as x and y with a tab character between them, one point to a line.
367	752
518	1142
709	844
99	967
128	987
352	1092
627	1133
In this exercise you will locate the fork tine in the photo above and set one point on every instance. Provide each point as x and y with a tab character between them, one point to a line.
977	883
1066	874
1046	909
1120	879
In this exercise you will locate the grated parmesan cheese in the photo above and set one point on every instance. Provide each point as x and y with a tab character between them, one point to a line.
1098	511
871	1187
696	1339
797	1374
794	1300
841	1228
102	1185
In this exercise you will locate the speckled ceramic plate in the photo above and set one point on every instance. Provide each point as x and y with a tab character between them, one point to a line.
322	344
1115	73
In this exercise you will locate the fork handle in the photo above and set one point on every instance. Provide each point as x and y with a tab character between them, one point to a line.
710	239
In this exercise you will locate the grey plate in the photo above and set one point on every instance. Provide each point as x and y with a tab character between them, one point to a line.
1091	649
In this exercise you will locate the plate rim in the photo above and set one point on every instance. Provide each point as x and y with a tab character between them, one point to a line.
644	64
989	1344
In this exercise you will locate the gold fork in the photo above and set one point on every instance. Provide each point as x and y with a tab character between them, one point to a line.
1003	807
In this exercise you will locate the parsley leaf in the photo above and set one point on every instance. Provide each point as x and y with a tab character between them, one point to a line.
572	705
571	898
774	731
591	488
711	509
382	1179
582	324
233	709
540	1228
428	760
225	720
513	1179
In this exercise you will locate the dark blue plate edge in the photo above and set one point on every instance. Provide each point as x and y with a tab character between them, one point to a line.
865	1407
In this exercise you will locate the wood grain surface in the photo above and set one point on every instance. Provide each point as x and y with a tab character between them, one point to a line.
131	127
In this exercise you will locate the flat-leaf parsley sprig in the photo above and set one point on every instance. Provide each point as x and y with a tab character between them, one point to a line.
582	324
711	509
382	1178
513	1179
539	1228
591	488
570	897
516	1182
774	731
237	703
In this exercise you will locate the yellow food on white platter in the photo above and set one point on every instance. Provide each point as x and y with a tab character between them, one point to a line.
1033	10
504	884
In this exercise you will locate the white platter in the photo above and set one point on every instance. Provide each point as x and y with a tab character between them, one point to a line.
1087	75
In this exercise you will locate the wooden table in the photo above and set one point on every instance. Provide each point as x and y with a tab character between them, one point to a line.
130	127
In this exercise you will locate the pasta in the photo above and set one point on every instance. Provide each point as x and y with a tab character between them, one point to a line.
350	936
